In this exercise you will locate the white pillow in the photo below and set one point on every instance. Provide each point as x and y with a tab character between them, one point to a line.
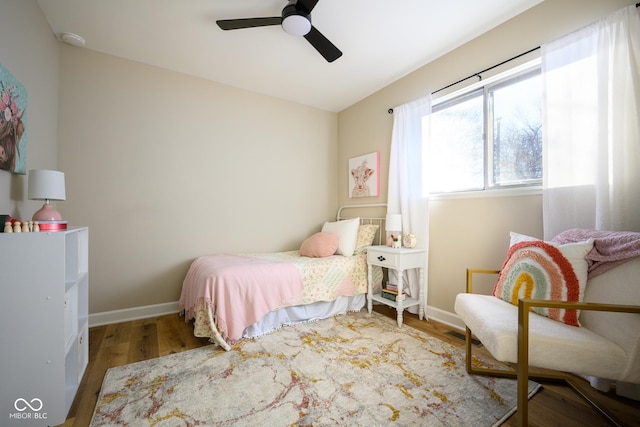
347	231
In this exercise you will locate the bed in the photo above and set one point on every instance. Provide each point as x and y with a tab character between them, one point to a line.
230	297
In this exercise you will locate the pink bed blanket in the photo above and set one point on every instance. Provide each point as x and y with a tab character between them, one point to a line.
225	280
610	248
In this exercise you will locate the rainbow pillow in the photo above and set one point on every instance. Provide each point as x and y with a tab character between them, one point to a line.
534	269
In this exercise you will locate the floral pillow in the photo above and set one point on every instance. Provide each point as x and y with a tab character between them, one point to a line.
535	269
366	234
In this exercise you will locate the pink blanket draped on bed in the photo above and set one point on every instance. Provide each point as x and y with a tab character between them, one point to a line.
610	248
225	280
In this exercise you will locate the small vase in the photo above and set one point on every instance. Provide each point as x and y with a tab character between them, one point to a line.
390	241
396	244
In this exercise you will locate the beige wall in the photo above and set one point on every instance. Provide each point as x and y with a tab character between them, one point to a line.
164	167
29	51
463	232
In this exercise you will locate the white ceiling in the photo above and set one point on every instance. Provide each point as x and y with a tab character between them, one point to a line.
381	40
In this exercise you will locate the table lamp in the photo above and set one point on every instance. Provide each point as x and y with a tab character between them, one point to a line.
46	185
393	225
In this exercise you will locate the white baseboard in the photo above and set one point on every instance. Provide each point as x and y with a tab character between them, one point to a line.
445	317
135	313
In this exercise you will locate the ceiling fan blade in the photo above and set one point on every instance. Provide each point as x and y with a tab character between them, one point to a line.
236	24
323	45
306	5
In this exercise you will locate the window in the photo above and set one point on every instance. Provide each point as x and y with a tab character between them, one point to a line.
488	136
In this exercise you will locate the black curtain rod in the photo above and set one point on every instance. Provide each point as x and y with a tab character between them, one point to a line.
478	74
485	70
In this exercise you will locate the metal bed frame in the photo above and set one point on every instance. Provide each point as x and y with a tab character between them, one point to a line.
380	221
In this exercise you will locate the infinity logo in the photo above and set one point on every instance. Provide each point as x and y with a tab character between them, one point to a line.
24	404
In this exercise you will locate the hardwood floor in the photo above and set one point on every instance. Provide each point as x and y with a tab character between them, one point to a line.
123	343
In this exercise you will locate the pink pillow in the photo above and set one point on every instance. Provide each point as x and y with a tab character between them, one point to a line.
320	245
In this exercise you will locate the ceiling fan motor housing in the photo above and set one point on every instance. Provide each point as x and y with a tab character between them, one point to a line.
295	21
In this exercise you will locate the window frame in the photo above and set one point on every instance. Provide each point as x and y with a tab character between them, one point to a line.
484	87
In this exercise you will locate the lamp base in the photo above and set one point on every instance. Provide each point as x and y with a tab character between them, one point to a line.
47	213
52	225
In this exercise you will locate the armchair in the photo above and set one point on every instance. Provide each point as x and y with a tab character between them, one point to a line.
606	347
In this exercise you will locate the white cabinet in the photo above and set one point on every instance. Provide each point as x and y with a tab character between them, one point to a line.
44	315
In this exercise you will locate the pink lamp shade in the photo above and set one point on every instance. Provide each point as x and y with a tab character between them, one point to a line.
46	185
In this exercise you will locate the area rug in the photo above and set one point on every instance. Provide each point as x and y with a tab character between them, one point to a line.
358	369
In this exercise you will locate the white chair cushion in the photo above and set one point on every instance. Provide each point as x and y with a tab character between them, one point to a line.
552	344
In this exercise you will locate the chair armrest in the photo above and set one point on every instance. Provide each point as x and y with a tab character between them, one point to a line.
471	272
524	306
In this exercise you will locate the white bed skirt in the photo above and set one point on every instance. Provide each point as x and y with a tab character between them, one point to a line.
304	313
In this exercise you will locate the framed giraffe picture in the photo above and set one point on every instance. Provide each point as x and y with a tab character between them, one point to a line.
364	175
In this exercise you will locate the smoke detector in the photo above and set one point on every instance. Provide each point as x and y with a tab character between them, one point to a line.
72	39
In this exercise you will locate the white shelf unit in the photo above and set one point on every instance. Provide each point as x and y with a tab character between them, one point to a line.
44	309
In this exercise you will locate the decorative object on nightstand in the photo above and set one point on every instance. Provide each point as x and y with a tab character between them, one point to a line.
398	260
393	226
392	295
409	240
13	225
47	185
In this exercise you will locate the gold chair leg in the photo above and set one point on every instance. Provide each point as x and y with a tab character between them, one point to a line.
523	368
503	373
580	391
521	372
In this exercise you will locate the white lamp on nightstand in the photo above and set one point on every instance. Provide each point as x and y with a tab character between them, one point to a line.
393	225
46	185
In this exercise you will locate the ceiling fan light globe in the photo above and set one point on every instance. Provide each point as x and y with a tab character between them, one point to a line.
296	25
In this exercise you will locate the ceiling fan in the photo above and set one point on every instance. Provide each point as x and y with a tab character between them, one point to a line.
295	20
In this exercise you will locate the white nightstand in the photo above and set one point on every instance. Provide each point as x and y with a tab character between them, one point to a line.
399	260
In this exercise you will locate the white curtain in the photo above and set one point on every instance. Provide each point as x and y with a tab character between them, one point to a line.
592	126
406	194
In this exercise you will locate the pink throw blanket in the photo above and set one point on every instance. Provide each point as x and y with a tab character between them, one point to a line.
610	248
239	289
